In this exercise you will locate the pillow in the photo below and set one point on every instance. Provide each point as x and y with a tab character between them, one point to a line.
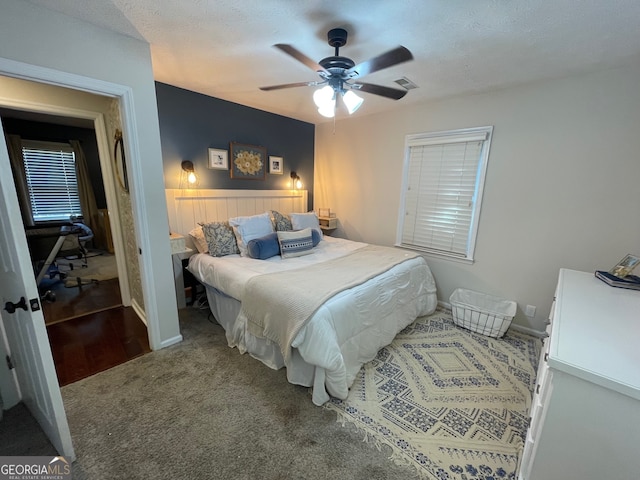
264	247
248	228
300	221
295	243
220	239
197	235
281	222
269	246
315	236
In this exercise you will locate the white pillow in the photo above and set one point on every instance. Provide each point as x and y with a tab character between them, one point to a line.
197	235
300	221
248	228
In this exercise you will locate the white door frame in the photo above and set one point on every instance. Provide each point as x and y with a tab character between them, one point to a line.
12	68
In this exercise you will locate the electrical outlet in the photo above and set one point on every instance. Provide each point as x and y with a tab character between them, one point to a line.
530	311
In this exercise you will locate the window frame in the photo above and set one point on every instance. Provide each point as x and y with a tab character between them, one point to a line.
459	136
55	147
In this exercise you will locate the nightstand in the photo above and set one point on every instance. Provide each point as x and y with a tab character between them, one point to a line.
181	276
328	224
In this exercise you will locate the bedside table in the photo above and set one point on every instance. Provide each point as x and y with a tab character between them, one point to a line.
180	261
328	224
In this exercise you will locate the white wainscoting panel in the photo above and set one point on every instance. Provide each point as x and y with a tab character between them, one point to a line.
188	207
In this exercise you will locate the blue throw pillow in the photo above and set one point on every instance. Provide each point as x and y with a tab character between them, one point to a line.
264	247
316	236
269	246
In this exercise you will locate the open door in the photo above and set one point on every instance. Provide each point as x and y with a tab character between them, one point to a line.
23	321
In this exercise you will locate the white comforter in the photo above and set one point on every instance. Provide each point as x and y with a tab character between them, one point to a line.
346	332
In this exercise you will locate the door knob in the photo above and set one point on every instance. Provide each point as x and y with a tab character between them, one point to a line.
11	307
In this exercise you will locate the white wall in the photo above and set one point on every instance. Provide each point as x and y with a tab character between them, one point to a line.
561	187
43	38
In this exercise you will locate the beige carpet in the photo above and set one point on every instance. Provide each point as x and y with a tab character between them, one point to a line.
99	267
450	402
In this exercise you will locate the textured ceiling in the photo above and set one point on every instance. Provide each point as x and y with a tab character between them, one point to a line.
223	48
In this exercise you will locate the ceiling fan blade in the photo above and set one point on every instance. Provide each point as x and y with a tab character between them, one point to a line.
392	93
385	60
289	85
301	57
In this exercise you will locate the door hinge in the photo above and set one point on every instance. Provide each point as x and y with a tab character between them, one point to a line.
9	363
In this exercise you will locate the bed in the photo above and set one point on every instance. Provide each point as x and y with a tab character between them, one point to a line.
343	301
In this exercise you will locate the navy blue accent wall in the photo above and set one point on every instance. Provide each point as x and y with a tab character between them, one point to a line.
191	123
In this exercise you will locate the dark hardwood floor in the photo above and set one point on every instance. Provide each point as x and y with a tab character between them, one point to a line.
96	342
75	302
89	329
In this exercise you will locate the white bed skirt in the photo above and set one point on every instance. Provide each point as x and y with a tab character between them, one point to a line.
365	319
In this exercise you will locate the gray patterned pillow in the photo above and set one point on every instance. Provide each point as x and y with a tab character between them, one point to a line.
281	222
220	239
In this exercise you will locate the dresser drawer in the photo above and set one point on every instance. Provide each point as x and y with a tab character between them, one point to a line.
527	458
542	393
538	412
543	366
552	312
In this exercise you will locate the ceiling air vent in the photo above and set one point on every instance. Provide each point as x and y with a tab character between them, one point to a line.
405	83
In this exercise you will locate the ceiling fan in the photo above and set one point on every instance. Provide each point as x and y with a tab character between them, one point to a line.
339	75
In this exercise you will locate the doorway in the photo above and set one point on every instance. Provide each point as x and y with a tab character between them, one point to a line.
80	290
83	275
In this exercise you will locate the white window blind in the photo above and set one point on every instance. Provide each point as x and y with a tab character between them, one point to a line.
51	181
444	175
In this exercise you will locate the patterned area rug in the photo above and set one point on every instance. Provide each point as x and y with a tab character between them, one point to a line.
450	402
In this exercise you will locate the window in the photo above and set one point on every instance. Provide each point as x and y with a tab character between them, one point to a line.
442	191
51	181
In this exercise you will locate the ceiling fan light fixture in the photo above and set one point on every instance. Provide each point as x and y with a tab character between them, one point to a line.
328	110
336	73
325	100
324	97
352	101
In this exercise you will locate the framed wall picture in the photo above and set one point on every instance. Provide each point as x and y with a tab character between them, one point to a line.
276	165
625	266
218	159
248	161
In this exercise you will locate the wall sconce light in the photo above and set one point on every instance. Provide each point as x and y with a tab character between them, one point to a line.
296	184
187	166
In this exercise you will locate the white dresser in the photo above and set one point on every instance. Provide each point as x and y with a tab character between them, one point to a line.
585	414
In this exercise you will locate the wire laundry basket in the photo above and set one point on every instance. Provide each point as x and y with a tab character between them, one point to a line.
481	313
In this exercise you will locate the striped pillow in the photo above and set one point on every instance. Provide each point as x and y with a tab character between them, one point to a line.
295	244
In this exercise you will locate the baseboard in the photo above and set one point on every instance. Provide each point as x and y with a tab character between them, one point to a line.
171	341
528	331
139	311
166	343
445	305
